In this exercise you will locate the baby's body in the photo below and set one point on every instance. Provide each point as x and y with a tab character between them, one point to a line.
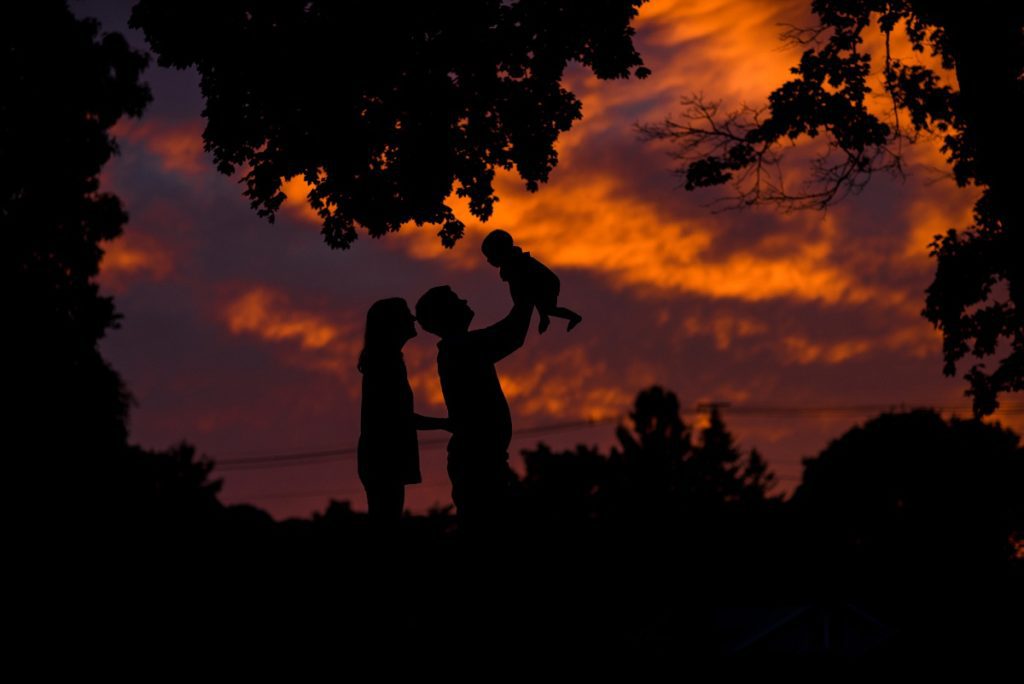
529	276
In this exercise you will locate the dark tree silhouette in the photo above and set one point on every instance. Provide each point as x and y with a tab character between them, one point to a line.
171	488
562	490
646	470
977	297
911	490
656	477
659	467
64	87
717	473
385	110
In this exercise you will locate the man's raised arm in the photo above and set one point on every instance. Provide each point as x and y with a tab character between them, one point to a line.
504	337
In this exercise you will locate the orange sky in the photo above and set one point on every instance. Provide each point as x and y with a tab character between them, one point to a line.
241	337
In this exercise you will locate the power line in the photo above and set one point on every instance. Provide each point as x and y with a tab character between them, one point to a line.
313	457
305	457
345	492
852	408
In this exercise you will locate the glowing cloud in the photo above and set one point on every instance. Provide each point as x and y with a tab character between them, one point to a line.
265	313
565	385
591	217
724	328
179	146
134	255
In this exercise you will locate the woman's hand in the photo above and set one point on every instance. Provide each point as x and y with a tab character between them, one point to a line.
429	423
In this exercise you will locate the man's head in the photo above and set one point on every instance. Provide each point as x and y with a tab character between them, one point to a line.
440	311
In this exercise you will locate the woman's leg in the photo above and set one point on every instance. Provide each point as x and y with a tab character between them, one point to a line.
385	503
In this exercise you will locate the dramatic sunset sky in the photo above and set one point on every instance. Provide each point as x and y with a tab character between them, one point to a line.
241	337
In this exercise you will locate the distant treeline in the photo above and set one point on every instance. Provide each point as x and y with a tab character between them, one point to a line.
904	536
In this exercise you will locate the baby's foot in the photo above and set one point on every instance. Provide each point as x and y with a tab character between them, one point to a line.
544	323
573	322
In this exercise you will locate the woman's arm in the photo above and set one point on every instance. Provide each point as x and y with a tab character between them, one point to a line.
428	423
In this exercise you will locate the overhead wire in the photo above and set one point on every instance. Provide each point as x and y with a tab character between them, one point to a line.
316	456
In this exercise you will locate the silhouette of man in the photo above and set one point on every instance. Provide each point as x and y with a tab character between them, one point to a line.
481	423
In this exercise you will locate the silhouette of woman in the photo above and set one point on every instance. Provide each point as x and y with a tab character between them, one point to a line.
388	453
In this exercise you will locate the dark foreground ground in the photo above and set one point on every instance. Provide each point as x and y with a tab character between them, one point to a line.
601	598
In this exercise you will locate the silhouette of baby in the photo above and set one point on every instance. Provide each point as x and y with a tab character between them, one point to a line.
526	274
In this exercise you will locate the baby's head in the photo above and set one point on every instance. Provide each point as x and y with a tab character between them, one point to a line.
497	247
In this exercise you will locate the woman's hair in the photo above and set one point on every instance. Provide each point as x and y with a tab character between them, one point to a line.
385	322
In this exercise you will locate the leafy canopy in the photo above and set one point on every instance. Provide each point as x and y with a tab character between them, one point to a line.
384	110
977	296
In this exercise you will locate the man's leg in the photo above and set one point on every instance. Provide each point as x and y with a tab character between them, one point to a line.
480	490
